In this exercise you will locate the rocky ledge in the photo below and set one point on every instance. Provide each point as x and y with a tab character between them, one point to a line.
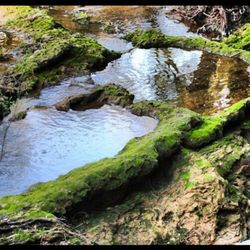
50	54
167	187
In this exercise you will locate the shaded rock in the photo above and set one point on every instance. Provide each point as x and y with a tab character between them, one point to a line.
3	38
154	191
108	94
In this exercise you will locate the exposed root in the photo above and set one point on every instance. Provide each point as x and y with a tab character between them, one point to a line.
217	20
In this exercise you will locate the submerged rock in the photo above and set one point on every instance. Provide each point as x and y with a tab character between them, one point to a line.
18	116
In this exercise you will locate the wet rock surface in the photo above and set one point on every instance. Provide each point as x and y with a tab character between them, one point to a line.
186	182
3	38
192	197
109	94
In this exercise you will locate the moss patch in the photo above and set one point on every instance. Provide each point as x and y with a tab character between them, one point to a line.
153	38
55	53
108	94
240	39
213	126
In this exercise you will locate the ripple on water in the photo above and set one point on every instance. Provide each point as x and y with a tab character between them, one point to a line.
150	73
49	143
51	95
203	82
172	27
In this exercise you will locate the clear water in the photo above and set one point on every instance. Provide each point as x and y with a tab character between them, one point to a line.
49	143
200	81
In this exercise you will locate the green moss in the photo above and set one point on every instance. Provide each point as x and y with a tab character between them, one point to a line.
224	153
138	158
185	176
202	163
33	21
153	38
42	58
208	177
212	127
233	195
22	236
240	39
81	17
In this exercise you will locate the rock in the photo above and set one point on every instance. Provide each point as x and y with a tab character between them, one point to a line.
108	94
18	116
40	107
3	38
63	105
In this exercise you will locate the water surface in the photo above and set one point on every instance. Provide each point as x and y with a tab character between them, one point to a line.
203	82
49	143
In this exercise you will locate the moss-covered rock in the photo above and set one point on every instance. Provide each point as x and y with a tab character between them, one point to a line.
153	38
185	203
108	94
54	54
240	39
213	126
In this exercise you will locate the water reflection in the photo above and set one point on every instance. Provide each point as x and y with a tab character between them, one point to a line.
48	143
200	81
217	83
150	74
51	95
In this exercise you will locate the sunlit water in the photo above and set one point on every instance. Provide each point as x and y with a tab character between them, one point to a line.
172	27
124	18
194	79
49	143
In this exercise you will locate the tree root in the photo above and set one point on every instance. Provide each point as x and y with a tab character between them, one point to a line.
218	20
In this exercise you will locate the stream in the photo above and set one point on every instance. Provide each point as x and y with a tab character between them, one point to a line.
49	143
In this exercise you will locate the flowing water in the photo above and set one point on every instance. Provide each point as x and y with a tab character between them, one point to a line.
49	143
